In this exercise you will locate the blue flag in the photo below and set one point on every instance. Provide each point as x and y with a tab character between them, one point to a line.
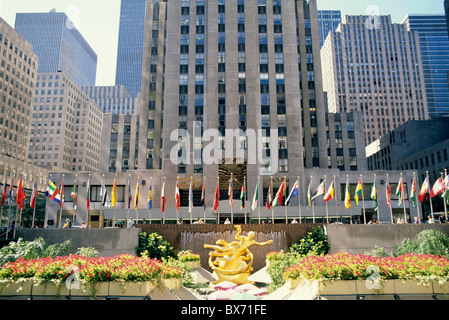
150	199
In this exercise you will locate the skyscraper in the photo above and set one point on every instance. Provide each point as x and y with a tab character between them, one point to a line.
376	70
59	45
328	20
434	44
130	45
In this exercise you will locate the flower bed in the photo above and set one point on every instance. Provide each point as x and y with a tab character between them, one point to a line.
367	271
89	273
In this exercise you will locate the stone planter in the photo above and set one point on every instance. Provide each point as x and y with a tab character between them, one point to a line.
173	284
194	264
293	283
91	290
361	287
13	288
440	288
49	289
130	289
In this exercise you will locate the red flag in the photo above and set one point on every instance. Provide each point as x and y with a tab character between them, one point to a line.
33	196
216	197
177	197
163	200
5	190
424	190
388	194
438	188
21	195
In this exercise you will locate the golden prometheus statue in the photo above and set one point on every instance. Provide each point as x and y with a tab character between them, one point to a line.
233	261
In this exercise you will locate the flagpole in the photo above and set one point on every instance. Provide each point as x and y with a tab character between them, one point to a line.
10	205
35	203
218	208
363	200
88	201
244	198
376	199
115	204
17	224
163	216
101	205
129	204
258	197
403	201
391	207
4	189
75	204
204	199
313	204
285	201
299	203
336	198
231	202
137	201
327	205
431	204
151	188
445	200
61	192
272	209
191	214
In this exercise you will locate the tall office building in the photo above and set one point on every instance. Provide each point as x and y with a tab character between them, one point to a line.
59	45
112	99
130	45
434	44
328	20
377	71
18	71
66	125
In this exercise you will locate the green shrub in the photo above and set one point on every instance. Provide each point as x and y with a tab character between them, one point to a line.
314	243
428	241
277	268
88	252
35	249
154	246
379	252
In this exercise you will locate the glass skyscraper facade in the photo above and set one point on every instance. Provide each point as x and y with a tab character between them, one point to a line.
130	45
434	44
328	20
59	45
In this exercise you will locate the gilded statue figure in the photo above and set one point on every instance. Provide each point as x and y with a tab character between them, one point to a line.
233	261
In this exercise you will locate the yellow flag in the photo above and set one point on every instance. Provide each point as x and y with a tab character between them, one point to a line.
114	194
347	196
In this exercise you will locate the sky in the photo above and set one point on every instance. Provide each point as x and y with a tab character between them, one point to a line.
98	20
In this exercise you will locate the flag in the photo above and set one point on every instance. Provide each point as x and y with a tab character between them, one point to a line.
163	199
74	195
280	195
358	193
347	196
177	197
400	191
52	192
88	195
309	195
320	190
445	194
61	195
33	195
374	196
11	193
21	195
5	190
216	197
243	198
270	195
255	198
424	189
413	193
150	198
438	188
191	197
114	194
294	193
137	196
103	193
330	193
130	197
203	195
388	194
230	193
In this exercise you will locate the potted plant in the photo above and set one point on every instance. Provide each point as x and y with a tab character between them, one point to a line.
172	277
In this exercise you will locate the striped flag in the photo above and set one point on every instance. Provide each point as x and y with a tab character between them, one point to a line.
137	196
163	199
330	193
347	196
400	191
243	198
177	197
74	195
61	194
294	193
374	196
52	192
388	194
425	188
33	195
358	193
150	198
230	193
88	195
413	193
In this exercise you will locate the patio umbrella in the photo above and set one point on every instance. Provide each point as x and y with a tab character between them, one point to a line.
221	295
243	296
246	287
225	285
257	292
